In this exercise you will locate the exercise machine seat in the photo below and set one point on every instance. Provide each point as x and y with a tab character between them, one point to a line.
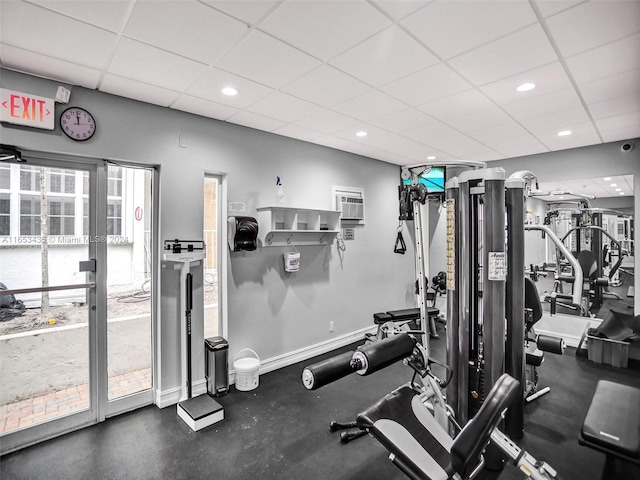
588	264
411	313
612	423
420	446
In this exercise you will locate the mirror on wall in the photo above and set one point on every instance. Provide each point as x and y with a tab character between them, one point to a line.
594	217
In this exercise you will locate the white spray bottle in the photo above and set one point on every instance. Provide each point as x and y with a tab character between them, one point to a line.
279	193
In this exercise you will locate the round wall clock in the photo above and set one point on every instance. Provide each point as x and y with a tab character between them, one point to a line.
77	124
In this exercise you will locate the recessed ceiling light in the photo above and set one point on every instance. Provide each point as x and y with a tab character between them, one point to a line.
431	157
229	91
618	189
564	133
607	179
613	185
525	87
621	193
361	133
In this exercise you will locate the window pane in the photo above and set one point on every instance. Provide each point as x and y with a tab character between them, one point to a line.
54	226
29	179
29	225
54	206
55	183
68	226
70	182
29	205
5	177
5	225
5	204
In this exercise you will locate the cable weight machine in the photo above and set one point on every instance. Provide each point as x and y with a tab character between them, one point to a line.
486	300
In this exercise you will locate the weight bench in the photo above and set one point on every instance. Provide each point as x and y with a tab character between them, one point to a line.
612	423
401	317
421	447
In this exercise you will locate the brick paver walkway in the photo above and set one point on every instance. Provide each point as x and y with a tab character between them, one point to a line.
46	407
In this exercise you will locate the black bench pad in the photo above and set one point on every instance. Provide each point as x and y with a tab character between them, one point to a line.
411	313
612	423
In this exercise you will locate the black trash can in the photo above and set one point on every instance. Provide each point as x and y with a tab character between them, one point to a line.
217	365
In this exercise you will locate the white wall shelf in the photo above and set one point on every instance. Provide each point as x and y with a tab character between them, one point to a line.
282	226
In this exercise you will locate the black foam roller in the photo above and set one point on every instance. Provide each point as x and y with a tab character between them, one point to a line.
327	371
383	353
550	344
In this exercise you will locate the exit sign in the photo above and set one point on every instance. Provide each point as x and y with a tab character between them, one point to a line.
26	109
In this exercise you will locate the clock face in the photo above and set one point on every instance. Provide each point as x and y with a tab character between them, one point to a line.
77	124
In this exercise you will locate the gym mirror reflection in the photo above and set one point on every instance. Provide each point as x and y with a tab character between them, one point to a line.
594	218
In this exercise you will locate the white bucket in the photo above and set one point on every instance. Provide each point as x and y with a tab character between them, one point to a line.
247	370
291	261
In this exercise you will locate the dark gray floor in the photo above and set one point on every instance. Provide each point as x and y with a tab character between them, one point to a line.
280	430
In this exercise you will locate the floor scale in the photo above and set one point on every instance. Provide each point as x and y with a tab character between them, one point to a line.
185	259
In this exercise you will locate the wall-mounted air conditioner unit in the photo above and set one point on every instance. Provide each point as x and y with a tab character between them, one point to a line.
350	203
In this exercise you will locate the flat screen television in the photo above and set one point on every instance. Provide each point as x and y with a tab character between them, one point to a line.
433	178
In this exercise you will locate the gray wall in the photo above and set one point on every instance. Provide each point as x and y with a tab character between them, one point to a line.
270	311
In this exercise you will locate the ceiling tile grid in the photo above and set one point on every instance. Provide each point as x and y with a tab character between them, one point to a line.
421	77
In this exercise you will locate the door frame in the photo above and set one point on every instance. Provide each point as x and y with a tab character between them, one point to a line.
100	407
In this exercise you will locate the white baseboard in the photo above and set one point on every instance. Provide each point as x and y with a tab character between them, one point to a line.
291	358
172	396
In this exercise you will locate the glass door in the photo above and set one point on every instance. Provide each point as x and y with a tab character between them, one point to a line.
47	300
130	233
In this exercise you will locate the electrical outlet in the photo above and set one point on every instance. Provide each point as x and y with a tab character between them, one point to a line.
331	326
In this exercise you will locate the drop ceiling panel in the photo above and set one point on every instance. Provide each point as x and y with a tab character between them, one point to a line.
125	87
108	15
249	11
509	135
61	37
324	29
202	34
427	85
204	108
548	8
458	105
399	9
408	119
547	79
210	85
555	122
616	85
388	56
295	131
254	120
611	59
370	105
583	134
283	107
267	60
592	24
327	121
49	67
151	65
428	134
614	107
622	127
521	51
452	28
489	117
337	87
544	104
